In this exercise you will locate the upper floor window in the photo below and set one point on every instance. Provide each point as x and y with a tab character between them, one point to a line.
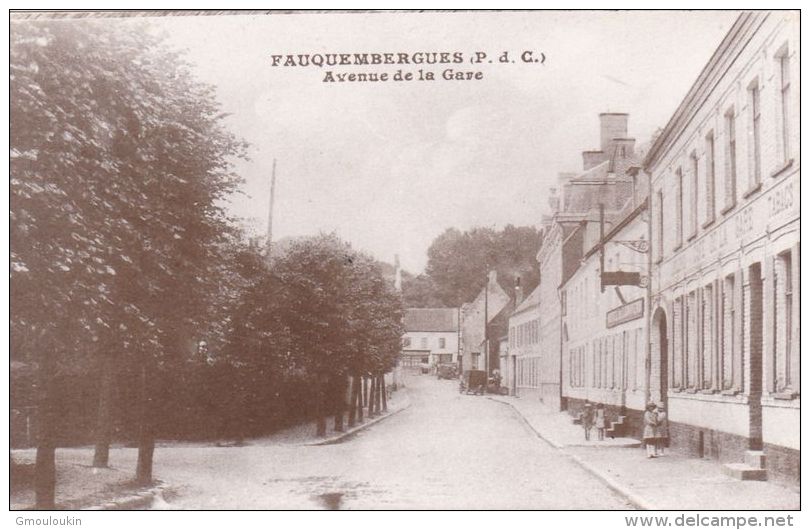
678	207
755	174
783	60
424	343
693	195
710	177
731	160
659	247
442	343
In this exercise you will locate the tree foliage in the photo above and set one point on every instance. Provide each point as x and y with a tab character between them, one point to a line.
458	263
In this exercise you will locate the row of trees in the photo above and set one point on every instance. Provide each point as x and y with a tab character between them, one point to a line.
458	263
137	306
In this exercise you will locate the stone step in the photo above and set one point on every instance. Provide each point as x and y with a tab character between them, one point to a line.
744	472
755	459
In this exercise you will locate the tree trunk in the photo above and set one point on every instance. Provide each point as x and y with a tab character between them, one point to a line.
382	394
365	391
146	435
320	419
373	410
380	390
360	398
352	401
341	403
45	471
101	457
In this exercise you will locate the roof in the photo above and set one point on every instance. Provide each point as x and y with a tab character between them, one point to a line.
726	53
530	301
431	319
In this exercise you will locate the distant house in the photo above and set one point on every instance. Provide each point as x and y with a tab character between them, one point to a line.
522	366
493	304
431	336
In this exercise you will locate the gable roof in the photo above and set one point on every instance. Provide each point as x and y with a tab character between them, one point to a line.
530	301
431	319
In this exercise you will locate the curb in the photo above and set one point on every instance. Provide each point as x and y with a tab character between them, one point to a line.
354	430
134	501
628	494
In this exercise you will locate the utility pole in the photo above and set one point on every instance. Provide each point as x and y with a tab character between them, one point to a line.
270	214
601	246
486	322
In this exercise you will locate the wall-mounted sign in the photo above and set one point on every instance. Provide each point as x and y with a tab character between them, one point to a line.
625	313
621	278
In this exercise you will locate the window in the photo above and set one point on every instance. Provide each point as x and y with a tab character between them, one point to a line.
442	343
678	208
707	349
424	343
693	196
729	333
784	102
787	362
690	366
731	161
660	222
755	175
676	366
709	178
406	342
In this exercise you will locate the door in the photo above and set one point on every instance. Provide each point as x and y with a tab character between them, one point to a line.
755	365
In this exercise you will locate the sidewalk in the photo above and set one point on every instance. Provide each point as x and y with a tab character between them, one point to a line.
304	433
81	487
672	482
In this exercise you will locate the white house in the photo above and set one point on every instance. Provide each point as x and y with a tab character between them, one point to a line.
431	336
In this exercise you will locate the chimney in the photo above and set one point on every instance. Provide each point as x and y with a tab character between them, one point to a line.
554	200
624	147
591	159
518	291
612	125
397	274
493	276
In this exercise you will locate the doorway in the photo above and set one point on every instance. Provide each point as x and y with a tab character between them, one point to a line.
661	344
755	365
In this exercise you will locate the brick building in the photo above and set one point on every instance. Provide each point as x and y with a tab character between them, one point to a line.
725	264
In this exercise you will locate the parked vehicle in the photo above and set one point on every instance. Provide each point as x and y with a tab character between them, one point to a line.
473	382
447	371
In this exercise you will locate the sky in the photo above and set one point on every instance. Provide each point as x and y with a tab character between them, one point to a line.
389	166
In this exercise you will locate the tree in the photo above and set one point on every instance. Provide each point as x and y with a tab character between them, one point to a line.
320	312
419	291
458	262
119	166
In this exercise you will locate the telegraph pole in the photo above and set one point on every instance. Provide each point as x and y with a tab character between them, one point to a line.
270	214
486	321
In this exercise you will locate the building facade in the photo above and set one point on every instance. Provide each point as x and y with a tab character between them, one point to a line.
604	180
488	304
725	265
522	374
605	330
431	337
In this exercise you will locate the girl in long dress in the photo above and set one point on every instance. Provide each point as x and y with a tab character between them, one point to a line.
650	424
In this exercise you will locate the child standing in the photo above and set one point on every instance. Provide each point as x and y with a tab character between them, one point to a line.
599	422
661	430
650	424
587	420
